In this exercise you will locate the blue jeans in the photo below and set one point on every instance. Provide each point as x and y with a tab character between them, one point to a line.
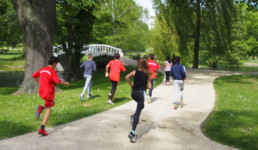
87	85
152	84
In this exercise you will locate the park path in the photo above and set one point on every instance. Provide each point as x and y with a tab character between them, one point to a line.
160	127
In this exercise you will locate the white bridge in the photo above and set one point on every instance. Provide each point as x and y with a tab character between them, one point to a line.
94	49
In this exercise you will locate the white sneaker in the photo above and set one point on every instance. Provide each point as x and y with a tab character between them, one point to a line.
110	102
82	97
89	96
148	99
181	103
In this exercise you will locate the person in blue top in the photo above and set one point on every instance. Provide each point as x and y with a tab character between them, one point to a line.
88	66
178	73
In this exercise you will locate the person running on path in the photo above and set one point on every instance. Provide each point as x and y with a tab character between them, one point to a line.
47	78
168	66
88	66
116	66
153	66
141	76
178	73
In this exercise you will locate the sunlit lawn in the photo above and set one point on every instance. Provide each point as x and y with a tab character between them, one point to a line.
234	120
17	112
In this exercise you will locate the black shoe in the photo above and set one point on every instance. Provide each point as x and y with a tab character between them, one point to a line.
132	137
131	120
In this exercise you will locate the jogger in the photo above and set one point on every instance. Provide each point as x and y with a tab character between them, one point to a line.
88	66
116	66
179	75
142	77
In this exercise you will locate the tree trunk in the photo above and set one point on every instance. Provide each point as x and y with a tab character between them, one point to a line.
37	19
197	36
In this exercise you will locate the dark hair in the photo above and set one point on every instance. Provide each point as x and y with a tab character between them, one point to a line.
117	56
151	56
168	59
90	56
177	58
52	60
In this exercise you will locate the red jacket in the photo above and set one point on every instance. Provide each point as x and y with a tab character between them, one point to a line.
48	78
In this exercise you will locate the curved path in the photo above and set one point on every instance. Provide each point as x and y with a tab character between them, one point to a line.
160	126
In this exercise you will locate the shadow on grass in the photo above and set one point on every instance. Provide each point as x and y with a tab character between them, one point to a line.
8	90
10	129
121	99
93	97
238	129
234	79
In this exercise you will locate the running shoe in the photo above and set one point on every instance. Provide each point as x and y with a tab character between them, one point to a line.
89	96
131	120
110	102
181	103
82	97
148	99
42	132
109	96
175	106
38	111
132	137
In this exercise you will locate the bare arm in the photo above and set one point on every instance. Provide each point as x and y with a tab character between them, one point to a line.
127	78
107	67
37	80
165	64
149	84
64	83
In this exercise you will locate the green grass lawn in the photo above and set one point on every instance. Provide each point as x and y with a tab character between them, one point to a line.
17	112
12	61
234	120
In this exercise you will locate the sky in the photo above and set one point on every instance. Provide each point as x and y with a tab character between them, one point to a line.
148	4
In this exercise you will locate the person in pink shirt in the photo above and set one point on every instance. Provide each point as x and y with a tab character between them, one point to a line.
153	66
168	64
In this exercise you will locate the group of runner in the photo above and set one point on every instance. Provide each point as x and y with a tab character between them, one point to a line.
144	78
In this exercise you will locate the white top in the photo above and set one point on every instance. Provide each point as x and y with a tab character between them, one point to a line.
168	66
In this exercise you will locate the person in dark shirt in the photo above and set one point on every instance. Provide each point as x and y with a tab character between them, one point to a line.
178	73
142	78
88	66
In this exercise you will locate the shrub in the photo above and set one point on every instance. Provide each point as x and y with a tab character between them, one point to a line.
102	60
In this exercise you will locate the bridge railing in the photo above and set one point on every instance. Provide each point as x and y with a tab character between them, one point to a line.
94	49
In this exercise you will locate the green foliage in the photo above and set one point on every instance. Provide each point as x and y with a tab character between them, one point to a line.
10	30
121	26
102	61
228	31
234	118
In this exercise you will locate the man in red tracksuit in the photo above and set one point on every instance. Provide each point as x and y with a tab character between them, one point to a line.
153	66
47	78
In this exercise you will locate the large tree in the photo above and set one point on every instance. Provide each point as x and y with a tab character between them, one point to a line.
74	26
37	20
187	18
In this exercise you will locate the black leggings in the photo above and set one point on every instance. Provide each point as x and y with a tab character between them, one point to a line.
167	75
139	97
113	90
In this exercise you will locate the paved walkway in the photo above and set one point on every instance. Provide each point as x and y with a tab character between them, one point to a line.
160	127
